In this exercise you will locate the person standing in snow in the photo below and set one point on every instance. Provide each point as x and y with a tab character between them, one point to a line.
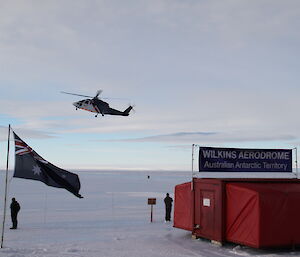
14	209
168	203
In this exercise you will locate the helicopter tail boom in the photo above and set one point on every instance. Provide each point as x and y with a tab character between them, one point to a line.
127	111
112	111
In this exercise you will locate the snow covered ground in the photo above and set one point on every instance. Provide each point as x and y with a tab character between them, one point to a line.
113	220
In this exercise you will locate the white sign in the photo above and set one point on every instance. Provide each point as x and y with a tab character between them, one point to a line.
206	202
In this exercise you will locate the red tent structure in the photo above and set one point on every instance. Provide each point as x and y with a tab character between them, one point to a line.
259	213
183	212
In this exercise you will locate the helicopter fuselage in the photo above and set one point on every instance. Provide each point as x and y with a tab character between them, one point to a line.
98	106
92	105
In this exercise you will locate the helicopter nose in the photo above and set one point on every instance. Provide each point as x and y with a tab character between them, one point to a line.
75	104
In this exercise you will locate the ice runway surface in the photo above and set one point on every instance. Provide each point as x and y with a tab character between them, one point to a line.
112	220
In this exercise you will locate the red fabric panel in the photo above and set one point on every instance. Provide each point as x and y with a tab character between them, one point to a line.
242	221
294	215
274	229
280	225
183	209
274	218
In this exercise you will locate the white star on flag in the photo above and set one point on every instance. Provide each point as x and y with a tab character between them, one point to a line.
36	170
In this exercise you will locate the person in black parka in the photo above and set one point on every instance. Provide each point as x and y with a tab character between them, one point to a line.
168	203
14	209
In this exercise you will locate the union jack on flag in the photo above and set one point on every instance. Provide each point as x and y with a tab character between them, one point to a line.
21	147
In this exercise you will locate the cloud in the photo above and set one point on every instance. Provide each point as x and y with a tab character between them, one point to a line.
206	137
175	137
229	67
25	133
182	147
96	39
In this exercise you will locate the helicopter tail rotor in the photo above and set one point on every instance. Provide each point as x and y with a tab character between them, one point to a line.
98	93
133	108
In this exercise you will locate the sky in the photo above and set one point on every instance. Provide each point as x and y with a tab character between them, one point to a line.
212	73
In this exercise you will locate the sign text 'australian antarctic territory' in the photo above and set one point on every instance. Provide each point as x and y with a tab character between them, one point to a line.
246	160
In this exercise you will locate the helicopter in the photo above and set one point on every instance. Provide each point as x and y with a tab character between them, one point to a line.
95	104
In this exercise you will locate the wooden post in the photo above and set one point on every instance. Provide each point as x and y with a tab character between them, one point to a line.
151	201
151	220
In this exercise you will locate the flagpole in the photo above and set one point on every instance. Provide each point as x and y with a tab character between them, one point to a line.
296	162
192	186
5	195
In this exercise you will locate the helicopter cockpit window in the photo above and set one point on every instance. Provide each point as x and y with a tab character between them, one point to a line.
86	101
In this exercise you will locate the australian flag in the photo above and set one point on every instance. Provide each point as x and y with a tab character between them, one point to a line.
29	165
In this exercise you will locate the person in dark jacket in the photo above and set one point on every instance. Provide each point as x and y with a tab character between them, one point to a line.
168	203
14	209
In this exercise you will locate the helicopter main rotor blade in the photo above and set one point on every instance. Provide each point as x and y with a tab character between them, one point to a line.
75	94
114	98
98	93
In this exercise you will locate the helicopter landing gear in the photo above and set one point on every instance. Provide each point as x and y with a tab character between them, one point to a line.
96	115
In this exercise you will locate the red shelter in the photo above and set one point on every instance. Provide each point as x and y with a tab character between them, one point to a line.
256	212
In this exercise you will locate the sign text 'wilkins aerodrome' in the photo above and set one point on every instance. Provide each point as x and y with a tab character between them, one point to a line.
244	160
